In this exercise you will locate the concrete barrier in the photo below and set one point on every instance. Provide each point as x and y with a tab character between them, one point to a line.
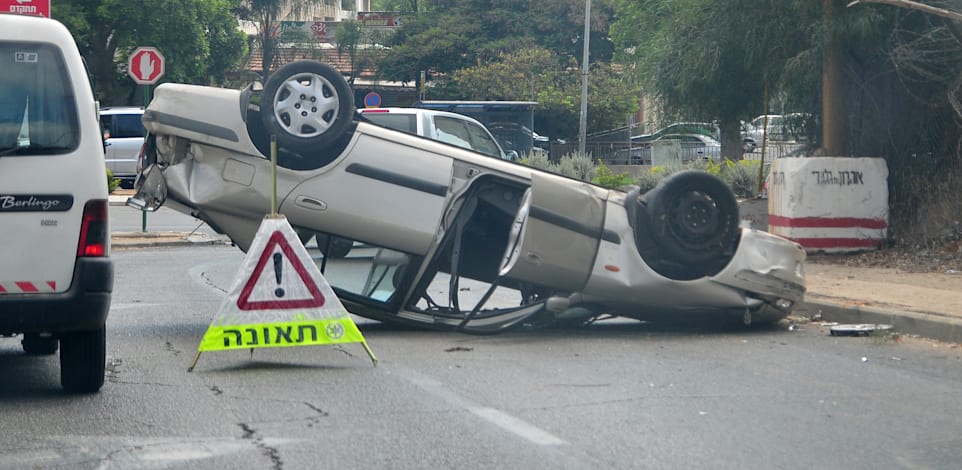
831	204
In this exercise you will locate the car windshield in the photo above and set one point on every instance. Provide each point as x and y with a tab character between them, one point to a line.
37	110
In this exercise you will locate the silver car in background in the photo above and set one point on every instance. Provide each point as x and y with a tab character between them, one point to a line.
448	238
123	131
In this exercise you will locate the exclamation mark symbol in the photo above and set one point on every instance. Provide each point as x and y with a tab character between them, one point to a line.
278	259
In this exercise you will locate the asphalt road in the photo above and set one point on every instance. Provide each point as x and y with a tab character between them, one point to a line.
619	394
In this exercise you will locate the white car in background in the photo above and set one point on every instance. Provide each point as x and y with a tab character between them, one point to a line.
443	126
448	237
123	137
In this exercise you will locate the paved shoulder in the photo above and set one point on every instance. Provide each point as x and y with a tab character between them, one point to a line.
927	304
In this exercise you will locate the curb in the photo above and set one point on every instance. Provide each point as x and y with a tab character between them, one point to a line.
928	325
120	240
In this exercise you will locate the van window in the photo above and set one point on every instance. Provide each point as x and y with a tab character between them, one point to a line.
38	113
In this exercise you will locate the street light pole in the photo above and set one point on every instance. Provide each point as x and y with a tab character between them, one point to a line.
583	127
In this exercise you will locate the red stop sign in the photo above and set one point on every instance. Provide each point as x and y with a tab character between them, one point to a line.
145	65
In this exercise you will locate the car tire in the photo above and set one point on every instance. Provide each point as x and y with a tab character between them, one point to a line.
690	225
307	105
37	345
83	356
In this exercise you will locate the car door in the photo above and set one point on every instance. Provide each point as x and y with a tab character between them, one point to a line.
386	191
559	226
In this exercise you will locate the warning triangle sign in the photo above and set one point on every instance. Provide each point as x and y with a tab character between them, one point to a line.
279	299
278	254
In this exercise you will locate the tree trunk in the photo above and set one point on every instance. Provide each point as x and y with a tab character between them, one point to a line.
731	140
833	92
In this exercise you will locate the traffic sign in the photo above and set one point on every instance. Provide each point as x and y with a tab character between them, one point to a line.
26	7
279	299
372	100
146	65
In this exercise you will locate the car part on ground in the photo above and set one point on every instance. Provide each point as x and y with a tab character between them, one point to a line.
444	237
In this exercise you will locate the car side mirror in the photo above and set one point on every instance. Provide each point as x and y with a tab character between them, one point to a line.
511	156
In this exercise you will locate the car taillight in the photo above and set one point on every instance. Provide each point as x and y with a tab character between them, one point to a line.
93	230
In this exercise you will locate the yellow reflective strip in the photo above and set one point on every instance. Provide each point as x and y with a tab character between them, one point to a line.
280	335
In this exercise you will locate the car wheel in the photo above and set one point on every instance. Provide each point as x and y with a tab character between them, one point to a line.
308	106
39	345
83	355
692	222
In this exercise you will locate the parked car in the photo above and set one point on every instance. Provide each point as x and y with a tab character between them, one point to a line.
443	126
692	128
56	275
781	128
123	136
454	239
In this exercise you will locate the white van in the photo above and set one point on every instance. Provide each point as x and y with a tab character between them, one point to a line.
56	276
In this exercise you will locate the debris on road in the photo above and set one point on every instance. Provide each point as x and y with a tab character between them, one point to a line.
860	329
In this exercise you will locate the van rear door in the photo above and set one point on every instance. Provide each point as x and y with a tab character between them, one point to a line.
45	176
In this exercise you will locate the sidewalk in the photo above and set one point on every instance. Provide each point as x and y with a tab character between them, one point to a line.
924	304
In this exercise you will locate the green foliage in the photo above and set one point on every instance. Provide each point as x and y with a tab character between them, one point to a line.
112	183
609	179
200	41
647	180
577	165
741	176
536	160
479	50
689	54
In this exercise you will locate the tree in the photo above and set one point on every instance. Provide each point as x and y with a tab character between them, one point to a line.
266	14
477	37
536	74
708	62
359	44
200	40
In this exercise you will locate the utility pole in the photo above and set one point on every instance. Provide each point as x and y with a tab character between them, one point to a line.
583	127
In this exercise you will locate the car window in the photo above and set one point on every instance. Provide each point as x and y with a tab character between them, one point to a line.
482	141
38	114
127	125
399	122
452	131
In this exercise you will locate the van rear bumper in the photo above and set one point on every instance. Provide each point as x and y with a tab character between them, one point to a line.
83	307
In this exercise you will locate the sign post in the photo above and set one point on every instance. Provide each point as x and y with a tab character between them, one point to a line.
145	65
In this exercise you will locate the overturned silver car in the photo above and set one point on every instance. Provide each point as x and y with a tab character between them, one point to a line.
412	230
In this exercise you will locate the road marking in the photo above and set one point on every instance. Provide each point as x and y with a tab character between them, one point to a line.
496	417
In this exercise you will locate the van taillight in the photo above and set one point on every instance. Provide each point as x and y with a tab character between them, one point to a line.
93	230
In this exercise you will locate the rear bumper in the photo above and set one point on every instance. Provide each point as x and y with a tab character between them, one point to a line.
83	307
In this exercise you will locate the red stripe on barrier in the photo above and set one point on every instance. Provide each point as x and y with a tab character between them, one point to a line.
838	242
26	286
2	289
52	284
826	222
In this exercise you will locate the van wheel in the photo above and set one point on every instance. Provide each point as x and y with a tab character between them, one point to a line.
39	345
83	355
308	105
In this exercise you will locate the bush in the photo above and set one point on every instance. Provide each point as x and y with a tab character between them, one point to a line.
112	183
605	177
741	176
576	165
536	160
